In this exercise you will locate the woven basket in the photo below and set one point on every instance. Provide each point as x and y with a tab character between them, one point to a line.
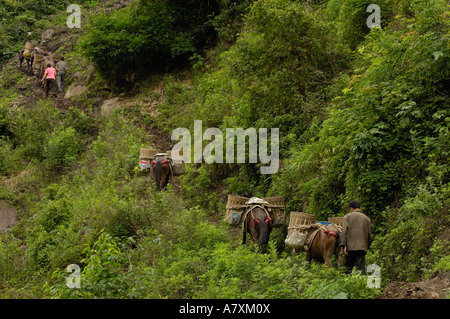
235	201
336	221
147	153
234	209
29	46
277	209
300	225
56	57
38	58
298	219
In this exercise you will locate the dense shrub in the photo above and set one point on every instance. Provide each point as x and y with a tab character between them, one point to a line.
62	148
147	35
383	117
414	243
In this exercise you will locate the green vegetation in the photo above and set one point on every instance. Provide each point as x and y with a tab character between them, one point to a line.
363	114
146	35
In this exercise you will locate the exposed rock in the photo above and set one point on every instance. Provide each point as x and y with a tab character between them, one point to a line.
75	90
78	76
109	106
90	72
47	34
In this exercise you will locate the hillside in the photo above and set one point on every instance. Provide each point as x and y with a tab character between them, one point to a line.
362	114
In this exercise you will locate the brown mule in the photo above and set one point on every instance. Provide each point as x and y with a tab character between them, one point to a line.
161	172
258	224
324	245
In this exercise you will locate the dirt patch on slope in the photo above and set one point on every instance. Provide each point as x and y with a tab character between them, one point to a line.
8	217
436	288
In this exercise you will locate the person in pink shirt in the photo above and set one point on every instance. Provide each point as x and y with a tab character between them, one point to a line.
50	77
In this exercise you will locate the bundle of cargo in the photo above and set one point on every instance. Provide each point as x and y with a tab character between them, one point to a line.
29	47
238	206
145	157
40	50
147	153
300	225
177	163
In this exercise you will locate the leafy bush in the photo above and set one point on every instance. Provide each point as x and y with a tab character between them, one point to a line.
33	128
352	19
62	148
412	245
146	35
9	256
102	276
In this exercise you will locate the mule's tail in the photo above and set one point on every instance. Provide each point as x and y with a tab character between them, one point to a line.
158	175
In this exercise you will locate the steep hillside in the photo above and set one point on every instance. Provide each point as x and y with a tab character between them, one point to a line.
362	114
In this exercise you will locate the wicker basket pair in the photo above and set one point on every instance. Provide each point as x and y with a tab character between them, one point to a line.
236	205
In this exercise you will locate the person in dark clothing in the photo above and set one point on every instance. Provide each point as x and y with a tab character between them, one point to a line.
356	238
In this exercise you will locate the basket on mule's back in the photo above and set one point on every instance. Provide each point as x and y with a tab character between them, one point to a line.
147	153
235	208
276	209
300	225
337	221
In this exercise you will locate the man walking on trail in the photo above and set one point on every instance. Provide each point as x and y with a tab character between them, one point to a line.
49	76
356	238
61	69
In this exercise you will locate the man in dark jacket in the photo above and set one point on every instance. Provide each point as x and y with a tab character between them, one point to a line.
356	238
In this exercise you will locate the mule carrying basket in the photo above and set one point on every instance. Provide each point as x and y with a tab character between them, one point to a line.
238	205
146	155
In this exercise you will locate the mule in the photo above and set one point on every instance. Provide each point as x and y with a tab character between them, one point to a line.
29	61
258	224
161	172
325	244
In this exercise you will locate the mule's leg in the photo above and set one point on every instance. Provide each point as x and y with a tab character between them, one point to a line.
339	252
244	232
328	250
308	256
328	262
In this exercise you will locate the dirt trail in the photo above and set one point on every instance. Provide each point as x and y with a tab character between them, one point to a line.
37	92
